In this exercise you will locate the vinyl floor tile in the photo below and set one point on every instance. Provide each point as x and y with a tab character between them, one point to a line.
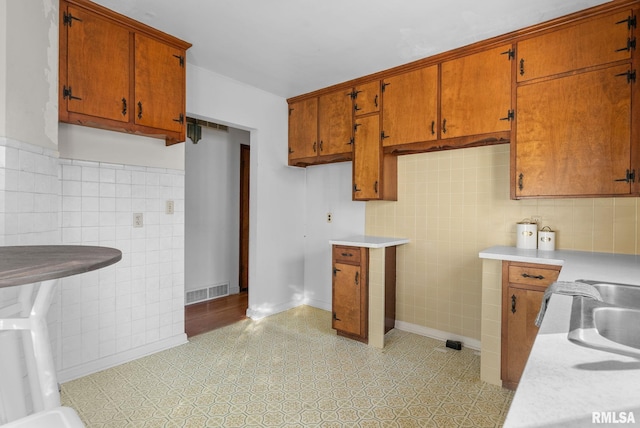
291	370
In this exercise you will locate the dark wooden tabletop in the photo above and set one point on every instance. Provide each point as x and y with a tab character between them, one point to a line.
34	263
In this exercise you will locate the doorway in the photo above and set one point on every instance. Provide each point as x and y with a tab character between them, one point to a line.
245	156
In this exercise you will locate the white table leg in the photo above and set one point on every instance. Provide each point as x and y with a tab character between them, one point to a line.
37	348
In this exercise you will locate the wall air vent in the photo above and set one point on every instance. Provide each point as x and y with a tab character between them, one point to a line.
208	293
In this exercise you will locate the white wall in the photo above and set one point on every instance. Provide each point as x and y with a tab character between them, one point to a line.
212	202
276	235
328	191
31	102
91	144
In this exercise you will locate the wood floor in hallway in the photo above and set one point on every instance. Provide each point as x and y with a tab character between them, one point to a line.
213	314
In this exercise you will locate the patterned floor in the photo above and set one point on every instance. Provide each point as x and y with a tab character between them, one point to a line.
291	370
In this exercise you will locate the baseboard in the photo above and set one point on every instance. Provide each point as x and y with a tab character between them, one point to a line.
91	367
437	334
259	313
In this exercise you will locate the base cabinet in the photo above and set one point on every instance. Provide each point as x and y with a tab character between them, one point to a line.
523	287
350	291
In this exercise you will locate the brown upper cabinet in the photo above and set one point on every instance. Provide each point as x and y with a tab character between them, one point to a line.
118	74
476	93
582	44
366	98
374	173
591	156
321	129
563	93
410	111
577	122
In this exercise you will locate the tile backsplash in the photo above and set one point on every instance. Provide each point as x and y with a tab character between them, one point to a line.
452	204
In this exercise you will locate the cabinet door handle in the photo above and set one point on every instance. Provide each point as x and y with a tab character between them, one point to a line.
375	187
433	127
124	106
320	145
357	278
314	147
521	181
139	109
526	275
375	101
513	304
444	126
521	66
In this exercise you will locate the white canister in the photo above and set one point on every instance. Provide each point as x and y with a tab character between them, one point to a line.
527	234
546	239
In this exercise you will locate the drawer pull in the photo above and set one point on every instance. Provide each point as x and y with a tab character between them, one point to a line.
513	304
526	275
346	254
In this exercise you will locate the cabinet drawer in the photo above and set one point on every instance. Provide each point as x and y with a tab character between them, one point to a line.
344	254
540	275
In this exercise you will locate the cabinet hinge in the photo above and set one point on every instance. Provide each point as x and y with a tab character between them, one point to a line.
631	21
67	19
335	271
383	136
180	118
630	177
335	317
67	93
384	86
510	116
631	76
631	44
511	54
181	59
353	94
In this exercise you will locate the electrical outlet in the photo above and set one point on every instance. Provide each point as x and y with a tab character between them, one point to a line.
138	220
536	218
170	207
329	217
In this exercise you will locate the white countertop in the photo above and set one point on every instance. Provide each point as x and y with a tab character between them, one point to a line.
563	383
369	241
620	268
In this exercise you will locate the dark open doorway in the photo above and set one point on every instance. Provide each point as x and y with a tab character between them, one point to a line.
244	217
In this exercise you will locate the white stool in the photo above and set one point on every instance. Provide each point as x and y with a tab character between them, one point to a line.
60	417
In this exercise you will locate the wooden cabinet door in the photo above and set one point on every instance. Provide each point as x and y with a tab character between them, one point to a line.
585	44
476	94
303	129
96	66
367	98
367	158
159	84
522	310
335	123
347	299
410	107
573	135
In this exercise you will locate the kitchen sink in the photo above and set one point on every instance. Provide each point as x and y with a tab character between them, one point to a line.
617	294
621	325
612	325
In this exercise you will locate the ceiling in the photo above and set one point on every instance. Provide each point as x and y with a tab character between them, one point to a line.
291	47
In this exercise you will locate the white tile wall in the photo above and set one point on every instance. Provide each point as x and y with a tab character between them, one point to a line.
139	301
119	313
